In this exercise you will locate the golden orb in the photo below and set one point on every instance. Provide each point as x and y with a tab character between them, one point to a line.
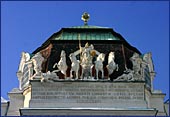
85	17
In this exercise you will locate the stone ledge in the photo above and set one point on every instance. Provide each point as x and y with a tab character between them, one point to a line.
63	80
88	111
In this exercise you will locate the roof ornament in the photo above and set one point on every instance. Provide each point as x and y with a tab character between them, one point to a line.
85	17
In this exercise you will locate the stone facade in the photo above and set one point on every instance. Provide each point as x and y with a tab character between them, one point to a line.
85	70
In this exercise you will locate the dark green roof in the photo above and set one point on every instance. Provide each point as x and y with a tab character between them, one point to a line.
86	32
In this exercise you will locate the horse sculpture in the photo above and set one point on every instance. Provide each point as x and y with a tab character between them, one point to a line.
62	66
112	66
74	65
99	65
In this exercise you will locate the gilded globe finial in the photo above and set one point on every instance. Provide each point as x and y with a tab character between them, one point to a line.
85	17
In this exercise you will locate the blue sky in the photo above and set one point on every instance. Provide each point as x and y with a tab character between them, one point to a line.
25	25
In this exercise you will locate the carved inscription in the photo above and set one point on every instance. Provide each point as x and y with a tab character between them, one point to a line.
85	92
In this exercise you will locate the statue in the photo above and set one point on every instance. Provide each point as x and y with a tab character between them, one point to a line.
99	64
62	66
86	56
127	76
37	60
24	58
112	66
86	60
136	61
148	59
74	66
49	77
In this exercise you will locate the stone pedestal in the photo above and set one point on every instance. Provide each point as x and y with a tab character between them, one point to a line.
157	101
16	102
87	98
4	107
68	94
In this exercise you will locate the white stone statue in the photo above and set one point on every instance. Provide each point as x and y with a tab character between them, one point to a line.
99	65
62	65
112	66
49	77
136	61
86	57
37	61
126	76
75	65
148	59
25	57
